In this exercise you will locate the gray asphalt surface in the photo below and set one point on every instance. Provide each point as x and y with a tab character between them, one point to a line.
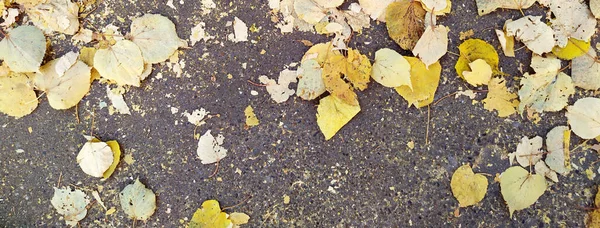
378	181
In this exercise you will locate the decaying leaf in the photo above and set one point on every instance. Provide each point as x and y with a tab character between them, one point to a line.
333	114
65	80
71	204
210	149
585	71
473	49
547	90
584	117
405	22
309	11
240	30
570	19
520	189
574	49
488	6
251	119
17	97
535	34
56	15
424	83
310	82
116	99
23	49
467	187
358	69
210	215
137	201
557	143
391	69
376	8
542	169
122	63
279	90
95	157
529	151
500	99
593	219
480	73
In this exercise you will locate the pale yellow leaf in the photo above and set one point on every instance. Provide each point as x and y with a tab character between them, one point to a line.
558	155
122	63
137	201
480	73
432	45
155	36
17	97
584	117
529	151
585	71
547	90
424	83
500	99
391	69
56	15
65	81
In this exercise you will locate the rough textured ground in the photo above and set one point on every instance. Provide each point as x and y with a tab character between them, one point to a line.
378	181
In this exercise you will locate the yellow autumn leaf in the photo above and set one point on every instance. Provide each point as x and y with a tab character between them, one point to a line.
574	49
391	69
593	220
473	49
334	68
480	73
358	69
520	189
116	149
238	218
17	97
467	187
424	83
404	21
333	114
318	52
499	98
251	119
210	216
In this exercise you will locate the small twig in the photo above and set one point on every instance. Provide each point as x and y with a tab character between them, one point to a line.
59	179
92	125
256	84
449	52
77	113
240	203
216	170
564	68
519	48
428	123
580	145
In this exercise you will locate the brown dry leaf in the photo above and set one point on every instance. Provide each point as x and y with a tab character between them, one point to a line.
405	22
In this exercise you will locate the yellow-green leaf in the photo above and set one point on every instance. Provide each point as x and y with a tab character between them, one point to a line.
574	49
210	216
23	49
473	49
424	83
116	149
468	188
520	188
405	22
333	114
